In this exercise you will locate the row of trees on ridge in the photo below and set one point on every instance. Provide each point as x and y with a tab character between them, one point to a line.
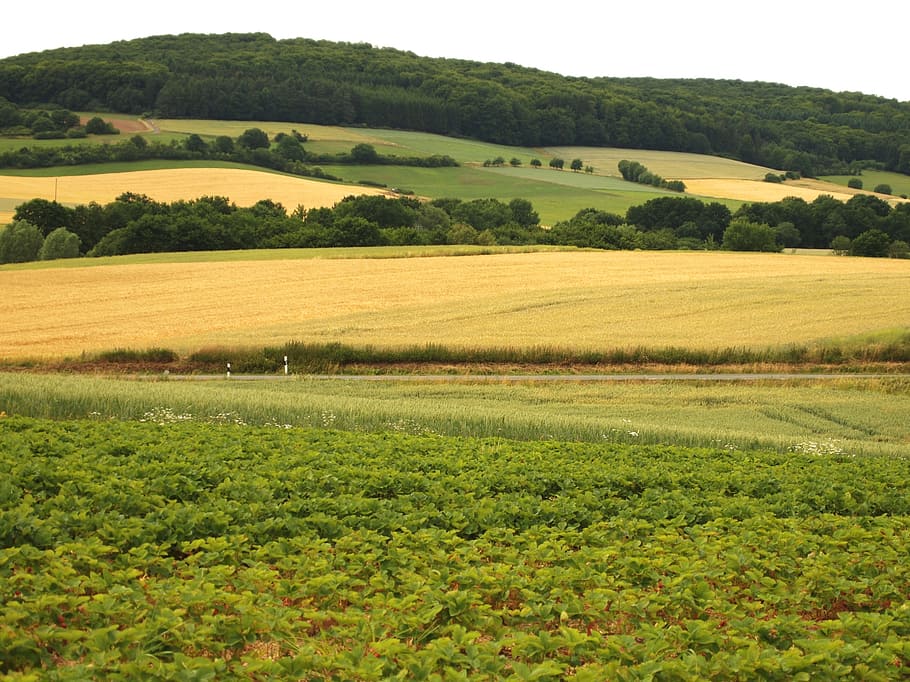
864	225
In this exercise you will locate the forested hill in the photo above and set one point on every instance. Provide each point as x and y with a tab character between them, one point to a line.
255	77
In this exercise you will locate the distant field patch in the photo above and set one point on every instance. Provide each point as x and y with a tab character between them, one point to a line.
758	190
670	165
899	183
569	299
243	187
124	125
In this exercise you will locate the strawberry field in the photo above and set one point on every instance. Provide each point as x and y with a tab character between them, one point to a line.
201	551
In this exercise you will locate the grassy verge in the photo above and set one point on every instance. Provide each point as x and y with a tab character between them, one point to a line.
883	353
848	416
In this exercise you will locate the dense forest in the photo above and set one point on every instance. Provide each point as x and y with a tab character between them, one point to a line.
255	77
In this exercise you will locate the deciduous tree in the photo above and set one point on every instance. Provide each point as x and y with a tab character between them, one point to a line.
61	243
742	235
20	242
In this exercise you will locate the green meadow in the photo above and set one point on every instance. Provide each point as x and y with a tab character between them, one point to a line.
900	184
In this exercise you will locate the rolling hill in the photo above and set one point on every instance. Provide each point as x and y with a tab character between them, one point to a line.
255	77
556	195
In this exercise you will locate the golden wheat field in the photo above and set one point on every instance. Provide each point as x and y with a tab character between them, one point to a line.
758	190
570	299
243	187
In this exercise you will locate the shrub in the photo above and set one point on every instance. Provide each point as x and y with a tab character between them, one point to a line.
254	138
899	249
841	245
20	242
883	188
460	233
855	183
874	243
98	126
60	243
744	235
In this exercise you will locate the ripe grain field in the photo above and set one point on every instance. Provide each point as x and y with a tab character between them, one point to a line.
243	187
578	300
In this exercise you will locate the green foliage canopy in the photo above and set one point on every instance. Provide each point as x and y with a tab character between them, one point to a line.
20	242
743	235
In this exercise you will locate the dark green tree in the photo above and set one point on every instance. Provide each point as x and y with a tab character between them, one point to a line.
98	126
290	148
576	165
899	249
364	153
44	214
223	144
874	243
194	143
254	138
523	213
787	235
482	214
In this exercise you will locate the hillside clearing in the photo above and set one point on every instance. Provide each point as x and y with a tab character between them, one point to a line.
571	299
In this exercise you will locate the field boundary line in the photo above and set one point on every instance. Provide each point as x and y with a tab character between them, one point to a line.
519	378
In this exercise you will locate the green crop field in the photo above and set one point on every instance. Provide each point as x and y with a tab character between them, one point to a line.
195	551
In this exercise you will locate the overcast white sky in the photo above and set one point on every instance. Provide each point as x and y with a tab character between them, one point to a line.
848	45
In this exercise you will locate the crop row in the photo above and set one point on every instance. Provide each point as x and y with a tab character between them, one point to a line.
202	551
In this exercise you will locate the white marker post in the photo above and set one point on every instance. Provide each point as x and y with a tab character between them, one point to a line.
285	365
229	370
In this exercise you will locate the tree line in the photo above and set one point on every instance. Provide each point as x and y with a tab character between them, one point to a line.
134	223
255	77
633	171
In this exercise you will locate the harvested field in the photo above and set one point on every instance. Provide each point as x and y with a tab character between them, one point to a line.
758	190
243	187
570	299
